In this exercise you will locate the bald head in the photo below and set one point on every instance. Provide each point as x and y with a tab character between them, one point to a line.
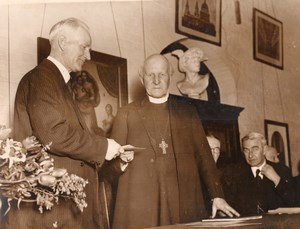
156	60
271	154
155	75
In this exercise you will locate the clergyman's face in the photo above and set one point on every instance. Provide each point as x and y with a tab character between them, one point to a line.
77	50
254	152
156	77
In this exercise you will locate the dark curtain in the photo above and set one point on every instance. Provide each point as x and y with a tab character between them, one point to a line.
109	78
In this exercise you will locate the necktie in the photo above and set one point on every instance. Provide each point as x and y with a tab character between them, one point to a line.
71	81
72	78
259	205
257	174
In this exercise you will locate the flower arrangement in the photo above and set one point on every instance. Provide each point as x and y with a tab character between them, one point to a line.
27	174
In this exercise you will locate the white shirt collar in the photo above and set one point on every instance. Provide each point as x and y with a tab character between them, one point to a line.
65	73
254	168
159	100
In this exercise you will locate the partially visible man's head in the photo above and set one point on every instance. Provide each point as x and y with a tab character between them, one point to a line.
155	75
70	43
215	146
253	145
271	154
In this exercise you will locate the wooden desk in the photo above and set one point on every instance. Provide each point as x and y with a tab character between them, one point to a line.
284	221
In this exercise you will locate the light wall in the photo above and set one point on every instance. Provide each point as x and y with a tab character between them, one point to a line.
135	29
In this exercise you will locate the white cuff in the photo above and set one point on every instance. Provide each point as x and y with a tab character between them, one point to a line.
112	149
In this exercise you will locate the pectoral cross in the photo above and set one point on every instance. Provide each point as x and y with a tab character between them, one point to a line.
163	145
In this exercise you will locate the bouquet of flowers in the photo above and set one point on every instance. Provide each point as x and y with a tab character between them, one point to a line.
27	173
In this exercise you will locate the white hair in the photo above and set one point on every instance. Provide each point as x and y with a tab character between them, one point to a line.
255	136
69	23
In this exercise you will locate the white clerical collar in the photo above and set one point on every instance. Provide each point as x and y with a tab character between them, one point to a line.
159	100
65	73
254	168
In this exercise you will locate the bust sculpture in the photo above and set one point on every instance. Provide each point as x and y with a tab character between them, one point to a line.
194	85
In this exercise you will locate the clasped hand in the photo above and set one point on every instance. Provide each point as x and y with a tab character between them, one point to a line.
270	173
115	149
126	154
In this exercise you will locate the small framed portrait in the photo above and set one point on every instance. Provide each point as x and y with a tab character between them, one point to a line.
199	19
277	135
267	39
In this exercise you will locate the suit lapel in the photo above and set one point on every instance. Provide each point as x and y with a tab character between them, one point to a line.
76	108
67	91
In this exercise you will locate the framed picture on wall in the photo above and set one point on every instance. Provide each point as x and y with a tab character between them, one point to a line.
199	19
277	135
267	39
103	79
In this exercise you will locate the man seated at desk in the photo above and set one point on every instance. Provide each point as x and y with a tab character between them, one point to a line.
258	185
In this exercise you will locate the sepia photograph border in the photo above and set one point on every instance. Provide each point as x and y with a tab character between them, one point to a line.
272	127
215	12
265	47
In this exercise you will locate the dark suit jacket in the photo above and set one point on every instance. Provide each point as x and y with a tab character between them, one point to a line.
44	108
137	203
241	192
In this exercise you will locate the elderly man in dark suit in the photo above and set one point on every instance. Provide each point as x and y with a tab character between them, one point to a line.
44	107
161	186
258	185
